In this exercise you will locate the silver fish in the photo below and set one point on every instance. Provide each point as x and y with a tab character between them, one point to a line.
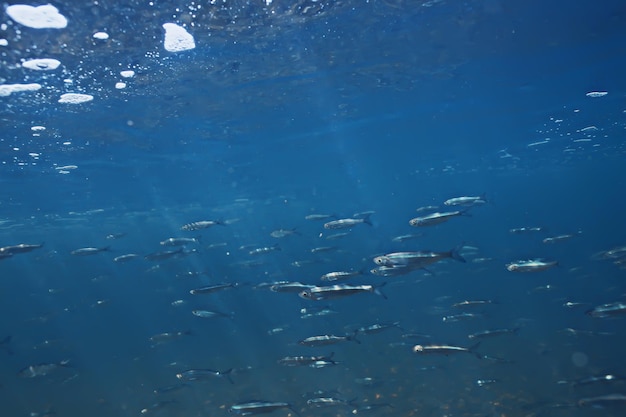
179	241
42	369
211	288
340	275
435	218
337	291
444	349
347	223
160	256
89	251
259	407
208	314
533	265
125	258
465	201
21	248
202	224
204	374
608	310
327	339
417	259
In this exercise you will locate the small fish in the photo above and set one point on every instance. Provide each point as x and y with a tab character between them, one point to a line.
5	255
290	287
426	208
162	255
602	400
179	241
90	251
208	314
211	288
168	336
320	313
523	230
125	258
465	201
472	303
492	333
336	236
328	402
417	260
202	224
324	249
304	360
435	218
158	406
483	382
347	223
327	339
264	250
21	248
404	238
281	233
204	374
559	238
378	327
339	290
533	265
445	349
42	369
608	310
459	317
320	216
597	379
170	388
340	275
259	407
113	236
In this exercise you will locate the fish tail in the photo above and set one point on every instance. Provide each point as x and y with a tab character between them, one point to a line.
456	254
377	290
227	374
353	337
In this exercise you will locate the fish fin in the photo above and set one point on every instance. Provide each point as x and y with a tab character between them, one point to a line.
377	290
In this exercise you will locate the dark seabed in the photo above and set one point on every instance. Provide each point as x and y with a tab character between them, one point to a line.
242	118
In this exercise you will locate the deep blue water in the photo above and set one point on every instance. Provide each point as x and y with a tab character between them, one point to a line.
294	108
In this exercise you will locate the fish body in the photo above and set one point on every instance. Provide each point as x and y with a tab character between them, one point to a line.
202	224
211	288
559	238
304	360
340	275
327	402
319	216
597	379
492	333
89	251
337	291
42	369
347	223
461	317
608	310
443	349
465	201
179	241
168	336
404	238
533	265
21	248
162	255
523	230
208	314
378	327
259	407
264	250
125	258
290	287
416	260
472	303
204	374
280	233
327	339
435	218
115	236
602	400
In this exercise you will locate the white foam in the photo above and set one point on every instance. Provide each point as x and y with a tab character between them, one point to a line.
43	64
8	89
177	39
40	17
75	98
127	74
103	36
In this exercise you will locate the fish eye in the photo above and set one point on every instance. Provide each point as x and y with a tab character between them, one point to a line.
418	348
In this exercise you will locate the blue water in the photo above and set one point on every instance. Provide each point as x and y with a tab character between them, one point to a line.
289	109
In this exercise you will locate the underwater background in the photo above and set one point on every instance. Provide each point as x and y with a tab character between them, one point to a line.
177	176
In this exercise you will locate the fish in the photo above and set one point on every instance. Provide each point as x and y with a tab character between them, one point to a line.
339	290
472	303
112	236
602	400
340	275
290	287
445	349
211	288
378	327
204	374
208	314
323	249
202	224
465	201
328	402
436	218
21	248
404	238
492	333
259	407
90	251
264	250
607	310
328	339
597	379
42	369
336	236
170	388
560	238
521	230
459	317
280	233
426	208
165	337
179	241
160	256
417	260
125	258
347	223
319	216
159	405
304	360
533	265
